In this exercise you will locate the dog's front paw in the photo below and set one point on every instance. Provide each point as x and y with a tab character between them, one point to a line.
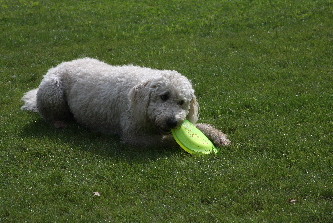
216	136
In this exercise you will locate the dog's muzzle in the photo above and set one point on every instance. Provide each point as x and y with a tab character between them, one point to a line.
168	124
171	123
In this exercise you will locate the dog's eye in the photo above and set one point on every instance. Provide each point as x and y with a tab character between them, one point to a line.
165	97
181	102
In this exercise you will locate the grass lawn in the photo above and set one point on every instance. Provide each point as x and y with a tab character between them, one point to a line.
262	71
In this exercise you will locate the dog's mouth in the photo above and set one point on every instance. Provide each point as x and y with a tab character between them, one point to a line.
169	125
165	131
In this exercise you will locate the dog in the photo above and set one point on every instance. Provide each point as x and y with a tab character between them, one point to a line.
139	104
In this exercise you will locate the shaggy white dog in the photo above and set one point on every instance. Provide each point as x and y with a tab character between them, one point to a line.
141	105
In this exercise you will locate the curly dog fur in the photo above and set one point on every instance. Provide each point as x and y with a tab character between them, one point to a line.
139	104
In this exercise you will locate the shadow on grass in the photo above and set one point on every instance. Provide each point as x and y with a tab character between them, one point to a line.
77	137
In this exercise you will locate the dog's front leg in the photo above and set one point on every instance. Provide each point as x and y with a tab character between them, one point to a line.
216	136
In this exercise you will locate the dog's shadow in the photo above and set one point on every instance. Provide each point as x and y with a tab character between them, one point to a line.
78	137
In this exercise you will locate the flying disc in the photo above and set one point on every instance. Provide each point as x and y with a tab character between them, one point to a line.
192	140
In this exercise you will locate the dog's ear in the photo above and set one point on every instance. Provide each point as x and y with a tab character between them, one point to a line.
139	97
194	110
139	93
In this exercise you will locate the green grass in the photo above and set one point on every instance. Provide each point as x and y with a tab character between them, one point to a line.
262	71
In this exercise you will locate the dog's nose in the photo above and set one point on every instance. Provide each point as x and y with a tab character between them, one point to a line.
171	123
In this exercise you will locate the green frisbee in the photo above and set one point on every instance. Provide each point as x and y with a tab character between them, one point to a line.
192	140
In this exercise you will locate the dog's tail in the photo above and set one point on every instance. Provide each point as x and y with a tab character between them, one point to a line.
30	101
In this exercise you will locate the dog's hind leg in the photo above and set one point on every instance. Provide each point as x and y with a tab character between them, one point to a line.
51	102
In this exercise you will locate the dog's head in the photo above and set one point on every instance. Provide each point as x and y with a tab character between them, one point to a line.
164	102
